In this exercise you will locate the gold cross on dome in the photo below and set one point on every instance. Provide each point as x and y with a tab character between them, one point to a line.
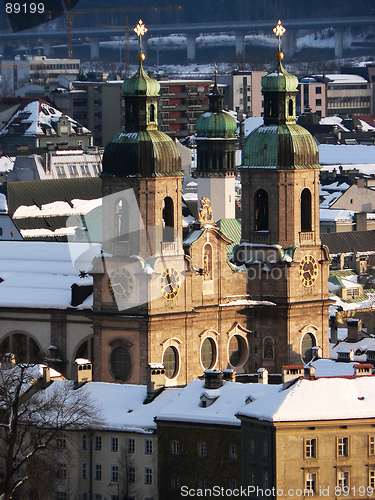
279	30
140	30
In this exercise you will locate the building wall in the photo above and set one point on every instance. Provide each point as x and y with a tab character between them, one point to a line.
57	328
219	467
352	99
180	104
313	95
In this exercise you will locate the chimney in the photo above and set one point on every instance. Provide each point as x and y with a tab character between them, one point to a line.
155	377
342	261
262	376
46	376
213	379
361	182
229	375
309	371
333	327
291	372
82	371
317	352
354	329
361	221
363	369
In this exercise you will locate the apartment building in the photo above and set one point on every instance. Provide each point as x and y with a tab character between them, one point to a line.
181	102
96	105
335	94
316	435
35	70
243	92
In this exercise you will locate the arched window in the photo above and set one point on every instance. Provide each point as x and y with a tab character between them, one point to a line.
23	347
207	262
291	107
308	342
170	362
237	350
208	353
168	219
152	113
306	210
272	109
268	351
261	210
121	364
131	113
122	220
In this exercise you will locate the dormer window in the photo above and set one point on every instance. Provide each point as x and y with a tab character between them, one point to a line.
208	398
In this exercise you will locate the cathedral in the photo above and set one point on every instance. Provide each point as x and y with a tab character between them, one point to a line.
177	305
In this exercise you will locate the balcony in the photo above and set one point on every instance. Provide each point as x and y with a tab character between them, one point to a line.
121	248
306	237
261	237
169	247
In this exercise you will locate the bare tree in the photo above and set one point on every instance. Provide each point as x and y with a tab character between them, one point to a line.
33	410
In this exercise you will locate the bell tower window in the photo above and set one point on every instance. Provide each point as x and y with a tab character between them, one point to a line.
261	210
306	210
122	220
168	219
152	113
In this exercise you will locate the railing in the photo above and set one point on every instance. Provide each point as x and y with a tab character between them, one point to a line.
261	237
169	247
121	248
306	236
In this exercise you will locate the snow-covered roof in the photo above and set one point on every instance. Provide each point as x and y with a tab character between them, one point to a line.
231	396
345	78
39	275
332	368
338	398
335	215
359	348
345	154
122	405
37	116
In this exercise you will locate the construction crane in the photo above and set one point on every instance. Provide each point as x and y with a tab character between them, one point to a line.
70	13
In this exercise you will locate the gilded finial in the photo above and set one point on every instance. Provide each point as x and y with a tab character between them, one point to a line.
140	31
279	30
215	71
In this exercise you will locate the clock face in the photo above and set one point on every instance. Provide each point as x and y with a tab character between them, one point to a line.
308	270
120	283
170	283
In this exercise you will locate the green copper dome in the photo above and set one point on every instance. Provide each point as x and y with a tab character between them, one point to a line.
280	147
144	154
280	143
140	83
280	79
216	124
141	150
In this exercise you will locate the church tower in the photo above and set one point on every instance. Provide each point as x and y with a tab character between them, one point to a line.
281	246
216	155
141	219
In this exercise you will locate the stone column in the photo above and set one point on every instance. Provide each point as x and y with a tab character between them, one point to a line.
47	49
240	44
289	41
191	49
339	42
94	48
